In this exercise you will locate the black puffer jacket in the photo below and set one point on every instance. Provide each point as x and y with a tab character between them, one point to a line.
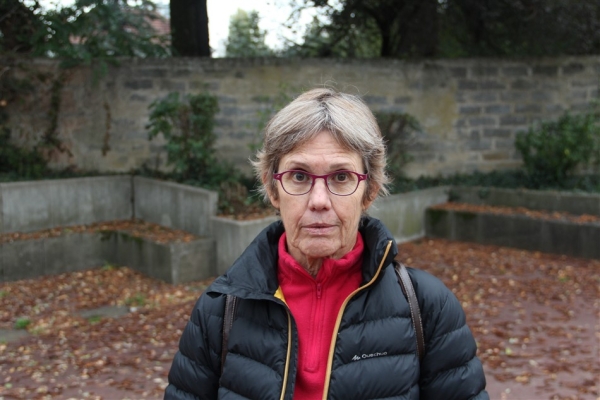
374	350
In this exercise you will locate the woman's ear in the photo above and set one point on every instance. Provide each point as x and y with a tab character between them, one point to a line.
370	197
271	189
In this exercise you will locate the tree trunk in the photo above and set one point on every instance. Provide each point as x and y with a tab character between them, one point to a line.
189	28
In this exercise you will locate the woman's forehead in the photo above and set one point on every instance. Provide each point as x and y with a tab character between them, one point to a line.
323	147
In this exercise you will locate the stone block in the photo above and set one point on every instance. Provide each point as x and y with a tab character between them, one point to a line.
469	110
523	84
485	97
573	68
545	70
528	108
515	71
480	71
512	120
142	84
151	73
497	133
458	72
496	156
492	85
497	109
482	121
465	84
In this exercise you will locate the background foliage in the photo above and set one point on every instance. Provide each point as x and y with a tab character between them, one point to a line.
449	28
245	38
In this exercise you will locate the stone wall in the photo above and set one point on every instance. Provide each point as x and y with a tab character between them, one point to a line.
470	109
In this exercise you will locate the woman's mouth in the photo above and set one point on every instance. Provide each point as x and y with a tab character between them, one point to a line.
319	229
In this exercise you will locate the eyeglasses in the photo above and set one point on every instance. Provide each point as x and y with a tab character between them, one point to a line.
340	183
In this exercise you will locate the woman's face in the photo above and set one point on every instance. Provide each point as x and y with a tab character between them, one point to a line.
320	224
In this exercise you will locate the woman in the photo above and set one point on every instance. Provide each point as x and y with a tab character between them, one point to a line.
320	313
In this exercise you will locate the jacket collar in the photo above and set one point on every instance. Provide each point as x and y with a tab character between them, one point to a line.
254	274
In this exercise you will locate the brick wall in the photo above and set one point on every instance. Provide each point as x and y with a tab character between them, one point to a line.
470	109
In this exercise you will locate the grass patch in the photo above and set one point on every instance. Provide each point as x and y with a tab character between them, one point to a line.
22	323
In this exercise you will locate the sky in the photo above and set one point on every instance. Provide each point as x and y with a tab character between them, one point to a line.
273	13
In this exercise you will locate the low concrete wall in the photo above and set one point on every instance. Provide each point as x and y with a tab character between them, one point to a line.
36	205
171	262
175	205
574	203
561	237
404	214
232	237
50	256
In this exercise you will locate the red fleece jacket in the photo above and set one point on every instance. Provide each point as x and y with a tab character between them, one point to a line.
315	303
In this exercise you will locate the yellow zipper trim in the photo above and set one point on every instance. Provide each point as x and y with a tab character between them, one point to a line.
339	320
279	295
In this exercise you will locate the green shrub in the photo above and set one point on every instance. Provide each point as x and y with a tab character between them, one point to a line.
187	125
17	162
554	150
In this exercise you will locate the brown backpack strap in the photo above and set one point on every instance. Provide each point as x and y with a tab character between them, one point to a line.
228	317
415	312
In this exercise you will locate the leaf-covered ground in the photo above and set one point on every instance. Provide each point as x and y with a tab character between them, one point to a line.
534	316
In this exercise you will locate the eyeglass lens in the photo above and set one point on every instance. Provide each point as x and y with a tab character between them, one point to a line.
340	183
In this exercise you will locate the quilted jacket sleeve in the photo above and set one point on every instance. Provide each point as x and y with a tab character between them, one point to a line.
196	367
450	369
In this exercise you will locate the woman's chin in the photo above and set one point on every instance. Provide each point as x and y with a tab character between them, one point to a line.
320	249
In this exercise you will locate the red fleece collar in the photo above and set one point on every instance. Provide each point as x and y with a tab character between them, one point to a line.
288	266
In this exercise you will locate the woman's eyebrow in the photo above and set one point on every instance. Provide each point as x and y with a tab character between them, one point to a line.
293	164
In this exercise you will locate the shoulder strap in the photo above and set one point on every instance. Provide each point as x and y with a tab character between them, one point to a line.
415	312
228	317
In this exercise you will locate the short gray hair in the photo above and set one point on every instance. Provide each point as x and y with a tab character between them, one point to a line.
345	116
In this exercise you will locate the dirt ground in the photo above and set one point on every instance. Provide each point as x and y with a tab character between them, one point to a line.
535	317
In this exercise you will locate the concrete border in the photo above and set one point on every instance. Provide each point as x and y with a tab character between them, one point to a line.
172	262
519	231
404	214
175	205
36	205
232	237
545	200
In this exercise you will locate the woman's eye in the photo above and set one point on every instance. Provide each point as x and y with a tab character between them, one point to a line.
341	177
299	177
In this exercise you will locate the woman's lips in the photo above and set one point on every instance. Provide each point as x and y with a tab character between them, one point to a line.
319	229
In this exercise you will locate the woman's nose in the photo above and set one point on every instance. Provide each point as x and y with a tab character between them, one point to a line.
319	195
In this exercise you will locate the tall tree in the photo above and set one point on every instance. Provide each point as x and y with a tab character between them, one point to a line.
245	38
405	27
525	27
451	28
18	23
189	28
85	30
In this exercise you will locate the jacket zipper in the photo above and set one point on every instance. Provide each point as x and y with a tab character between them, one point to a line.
339	320
279	295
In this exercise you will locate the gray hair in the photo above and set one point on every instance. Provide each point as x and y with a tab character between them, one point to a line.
345	116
